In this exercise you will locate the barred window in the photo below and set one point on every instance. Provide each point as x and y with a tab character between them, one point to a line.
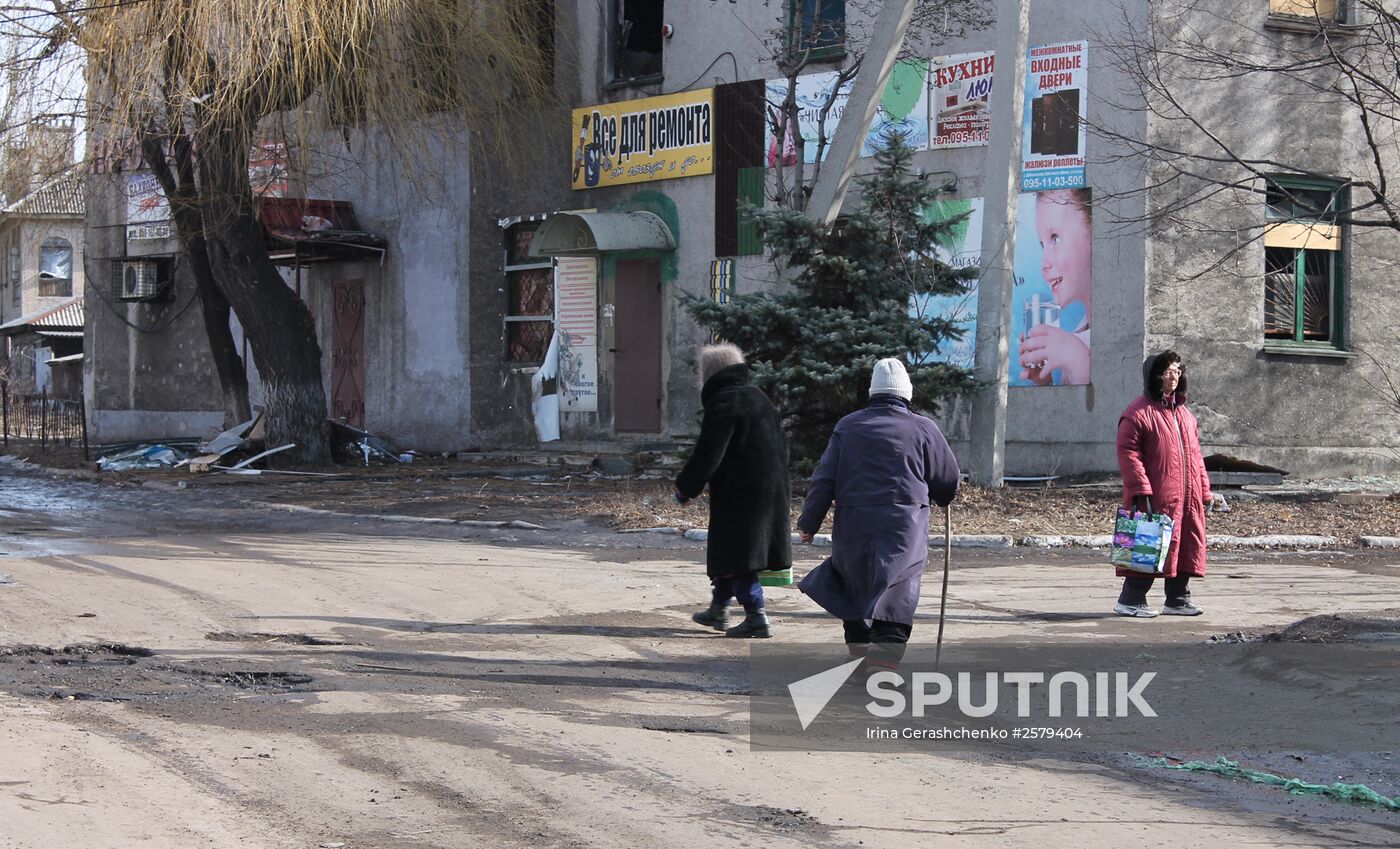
1303	286
529	320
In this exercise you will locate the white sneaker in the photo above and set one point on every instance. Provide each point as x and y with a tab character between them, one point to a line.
1187	609
1139	611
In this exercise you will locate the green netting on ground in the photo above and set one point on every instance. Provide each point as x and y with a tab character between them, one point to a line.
1358	793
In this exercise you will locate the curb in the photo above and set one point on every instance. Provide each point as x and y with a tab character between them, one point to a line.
1275	541
824	540
418	520
1380	542
983	541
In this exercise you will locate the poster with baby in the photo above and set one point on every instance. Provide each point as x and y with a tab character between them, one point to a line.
1051	297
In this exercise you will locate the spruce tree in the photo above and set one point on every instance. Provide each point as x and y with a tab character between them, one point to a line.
845	303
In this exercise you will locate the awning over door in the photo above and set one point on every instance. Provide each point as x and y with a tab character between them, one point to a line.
585	233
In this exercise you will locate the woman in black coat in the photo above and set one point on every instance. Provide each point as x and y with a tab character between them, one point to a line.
743	456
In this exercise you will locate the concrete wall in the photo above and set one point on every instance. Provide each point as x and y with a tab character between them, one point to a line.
417	385
147	371
713	44
1051	429
434	306
524	172
1306	414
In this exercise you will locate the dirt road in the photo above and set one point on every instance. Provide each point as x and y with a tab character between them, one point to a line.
239	677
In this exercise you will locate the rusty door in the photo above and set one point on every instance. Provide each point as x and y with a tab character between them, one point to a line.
348	352
637	355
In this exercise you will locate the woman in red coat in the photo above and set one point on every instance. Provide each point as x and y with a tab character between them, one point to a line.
1159	454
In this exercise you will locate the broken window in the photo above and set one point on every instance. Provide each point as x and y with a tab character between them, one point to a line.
637	39
818	26
1302	263
56	268
529	297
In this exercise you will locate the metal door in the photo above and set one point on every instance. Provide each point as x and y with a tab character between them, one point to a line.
348	352
637	355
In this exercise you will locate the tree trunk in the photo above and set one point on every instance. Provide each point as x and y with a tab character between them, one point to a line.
179	187
279	326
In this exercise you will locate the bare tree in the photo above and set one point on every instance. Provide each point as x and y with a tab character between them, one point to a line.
194	84
1336	54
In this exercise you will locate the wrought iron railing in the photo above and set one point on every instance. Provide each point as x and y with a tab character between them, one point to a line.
49	422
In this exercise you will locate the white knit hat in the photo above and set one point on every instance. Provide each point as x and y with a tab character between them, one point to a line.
890	378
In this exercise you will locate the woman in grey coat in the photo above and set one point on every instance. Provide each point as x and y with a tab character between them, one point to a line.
883	467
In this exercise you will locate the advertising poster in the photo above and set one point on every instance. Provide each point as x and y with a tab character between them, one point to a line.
147	212
903	106
813	92
654	138
576	327
960	87
1050	307
960	248
1056	103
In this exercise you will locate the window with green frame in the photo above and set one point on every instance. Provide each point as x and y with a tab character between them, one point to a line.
1303	258
818	25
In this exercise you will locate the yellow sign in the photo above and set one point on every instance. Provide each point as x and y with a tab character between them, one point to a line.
655	138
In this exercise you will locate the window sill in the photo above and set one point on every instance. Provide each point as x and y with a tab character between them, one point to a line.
1308	26
1327	351
635	82
824	55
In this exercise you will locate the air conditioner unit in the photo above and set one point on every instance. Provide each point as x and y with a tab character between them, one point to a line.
138	279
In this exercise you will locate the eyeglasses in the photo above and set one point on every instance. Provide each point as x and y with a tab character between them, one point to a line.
1176	370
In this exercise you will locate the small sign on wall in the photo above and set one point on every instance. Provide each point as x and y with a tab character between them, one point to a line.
147	212
576	309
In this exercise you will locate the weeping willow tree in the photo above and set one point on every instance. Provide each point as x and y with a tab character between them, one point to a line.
195	84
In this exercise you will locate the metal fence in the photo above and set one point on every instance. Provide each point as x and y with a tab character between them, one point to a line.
42	421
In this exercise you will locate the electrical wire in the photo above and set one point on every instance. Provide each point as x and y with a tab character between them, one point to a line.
732	58
120	312
73	9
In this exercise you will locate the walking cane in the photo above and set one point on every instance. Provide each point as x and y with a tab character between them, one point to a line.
947	565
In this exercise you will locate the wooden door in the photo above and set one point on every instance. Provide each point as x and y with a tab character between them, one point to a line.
348	352
637	351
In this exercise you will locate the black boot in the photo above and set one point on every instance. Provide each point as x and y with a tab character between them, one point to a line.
755	625
715	616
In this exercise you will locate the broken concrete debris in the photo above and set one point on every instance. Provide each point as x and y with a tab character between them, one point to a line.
225	443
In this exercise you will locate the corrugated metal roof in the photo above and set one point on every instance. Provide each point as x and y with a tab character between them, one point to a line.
63	195
68	315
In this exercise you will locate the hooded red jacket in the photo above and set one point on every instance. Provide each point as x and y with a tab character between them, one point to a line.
1159	454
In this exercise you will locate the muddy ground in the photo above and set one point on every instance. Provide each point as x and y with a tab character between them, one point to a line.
182	667
548	496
